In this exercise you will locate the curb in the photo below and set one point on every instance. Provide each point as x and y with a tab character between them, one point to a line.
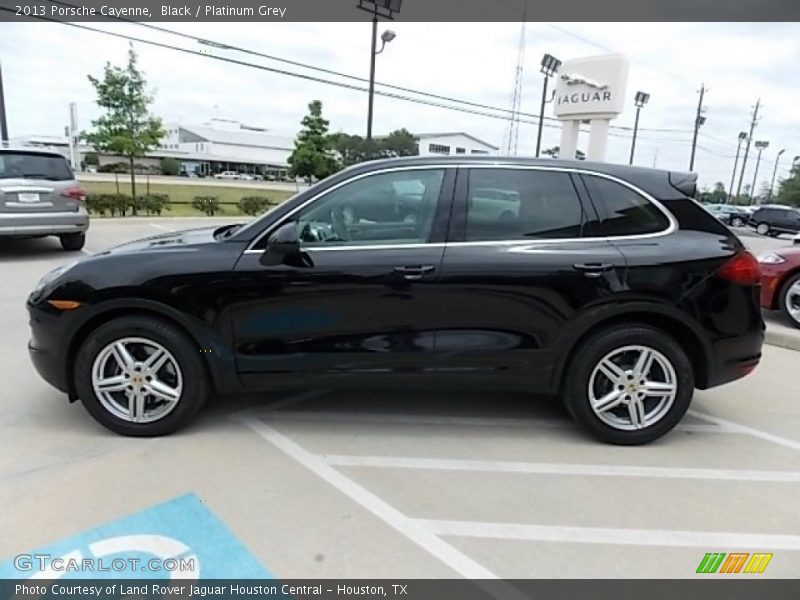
782	339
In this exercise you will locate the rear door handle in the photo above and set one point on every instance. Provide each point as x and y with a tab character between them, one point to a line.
413	272
593	269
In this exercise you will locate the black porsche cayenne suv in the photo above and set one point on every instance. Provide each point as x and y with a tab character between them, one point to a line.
608	285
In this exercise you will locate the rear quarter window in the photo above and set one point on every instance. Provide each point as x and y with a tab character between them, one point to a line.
30	165
623	211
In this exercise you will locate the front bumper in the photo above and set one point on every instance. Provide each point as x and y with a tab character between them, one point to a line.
45	347
771	276
45	223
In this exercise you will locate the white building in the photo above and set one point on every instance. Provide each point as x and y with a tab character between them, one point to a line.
224	145
452	144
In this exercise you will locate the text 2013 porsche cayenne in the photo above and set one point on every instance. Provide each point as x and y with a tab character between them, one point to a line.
605	284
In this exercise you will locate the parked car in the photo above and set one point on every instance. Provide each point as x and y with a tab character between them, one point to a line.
610	286
730	214
226	175
246	177
39	196
780	282
775	219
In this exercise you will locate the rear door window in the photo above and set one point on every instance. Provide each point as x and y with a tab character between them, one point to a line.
521	204
29	165
623	211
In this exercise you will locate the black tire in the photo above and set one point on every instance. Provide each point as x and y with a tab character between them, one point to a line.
196	387
762	228
72	242
575	389
737	222
782	298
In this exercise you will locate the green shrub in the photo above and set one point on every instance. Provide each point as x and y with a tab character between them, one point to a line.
117	167
114	204
155	204
206	204
91	158
254	205
170	166
96	204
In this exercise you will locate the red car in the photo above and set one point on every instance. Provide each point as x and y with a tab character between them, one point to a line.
780	282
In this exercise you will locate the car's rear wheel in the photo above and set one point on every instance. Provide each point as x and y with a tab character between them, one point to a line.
790	299
762	228
72	241
737	222
629	384
141	376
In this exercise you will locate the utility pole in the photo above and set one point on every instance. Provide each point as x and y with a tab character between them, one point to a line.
747	147
699	120
3	122
372	56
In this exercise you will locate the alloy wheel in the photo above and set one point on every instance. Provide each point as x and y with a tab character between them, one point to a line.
792	301
632	387
762	228
137	379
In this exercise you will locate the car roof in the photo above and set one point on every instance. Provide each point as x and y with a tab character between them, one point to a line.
9	149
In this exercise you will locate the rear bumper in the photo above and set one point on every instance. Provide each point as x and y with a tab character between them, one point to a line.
733	358
46	223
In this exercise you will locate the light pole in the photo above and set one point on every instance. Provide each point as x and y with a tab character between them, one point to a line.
774	172
742	137
760	147
386	9
640	100
3	122
549	68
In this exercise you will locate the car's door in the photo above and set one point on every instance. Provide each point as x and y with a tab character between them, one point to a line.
361	294
519	267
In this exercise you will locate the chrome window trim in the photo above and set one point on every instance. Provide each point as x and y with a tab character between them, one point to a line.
671	228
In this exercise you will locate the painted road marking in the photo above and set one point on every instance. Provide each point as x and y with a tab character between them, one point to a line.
182	530
491	466
162	227
604	535
449	555
737	428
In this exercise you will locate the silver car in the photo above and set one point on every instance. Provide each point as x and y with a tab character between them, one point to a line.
39	196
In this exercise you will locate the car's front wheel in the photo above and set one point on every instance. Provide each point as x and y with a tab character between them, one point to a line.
790	299
141	376
629	384
737	222
762	228
72	242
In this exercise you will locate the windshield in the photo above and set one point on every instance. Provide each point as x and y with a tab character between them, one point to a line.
27	165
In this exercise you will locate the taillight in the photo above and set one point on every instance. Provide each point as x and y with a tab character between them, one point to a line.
76	193
743	268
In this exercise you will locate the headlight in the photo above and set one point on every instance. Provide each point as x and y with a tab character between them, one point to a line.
53	275
770	258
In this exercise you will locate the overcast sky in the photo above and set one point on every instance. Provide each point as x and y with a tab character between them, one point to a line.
45	67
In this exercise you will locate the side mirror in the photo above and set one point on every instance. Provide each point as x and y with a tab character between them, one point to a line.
282	244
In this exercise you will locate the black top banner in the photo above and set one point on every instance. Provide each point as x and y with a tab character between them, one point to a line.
402	10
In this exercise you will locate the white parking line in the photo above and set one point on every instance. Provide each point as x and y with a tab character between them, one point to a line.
460	563
602	535
162	227
737	428
489	466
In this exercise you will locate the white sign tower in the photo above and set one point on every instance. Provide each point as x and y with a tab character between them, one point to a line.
589	89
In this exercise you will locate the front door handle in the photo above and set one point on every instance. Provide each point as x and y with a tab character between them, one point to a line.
414	272
593	269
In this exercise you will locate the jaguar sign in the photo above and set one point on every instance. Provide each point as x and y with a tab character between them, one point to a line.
590	89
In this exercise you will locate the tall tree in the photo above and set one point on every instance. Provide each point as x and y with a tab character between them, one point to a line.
719	194
312	155
399	143
789	189
127	128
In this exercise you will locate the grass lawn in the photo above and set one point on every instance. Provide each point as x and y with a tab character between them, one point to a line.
181	195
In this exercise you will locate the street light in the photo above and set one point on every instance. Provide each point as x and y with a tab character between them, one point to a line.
640	100
742	137
760	147
774	172
386	9
550	65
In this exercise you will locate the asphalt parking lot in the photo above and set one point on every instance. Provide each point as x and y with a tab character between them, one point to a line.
377	484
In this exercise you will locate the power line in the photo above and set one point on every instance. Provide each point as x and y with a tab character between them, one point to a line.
226	46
